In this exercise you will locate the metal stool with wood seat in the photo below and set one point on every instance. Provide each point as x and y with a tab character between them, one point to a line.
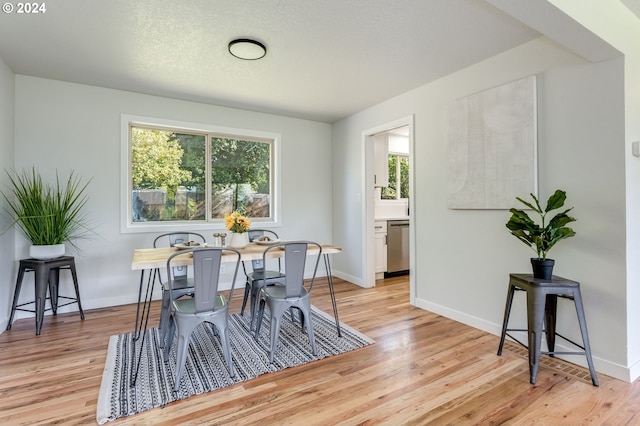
542	302
47	276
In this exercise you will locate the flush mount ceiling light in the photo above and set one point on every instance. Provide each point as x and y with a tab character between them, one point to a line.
247	49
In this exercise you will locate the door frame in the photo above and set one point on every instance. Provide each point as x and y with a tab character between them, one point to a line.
368	225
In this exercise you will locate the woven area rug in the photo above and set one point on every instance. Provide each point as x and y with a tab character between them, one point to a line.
205	369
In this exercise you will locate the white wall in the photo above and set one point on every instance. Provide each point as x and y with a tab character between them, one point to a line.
463	257
68	126
621	29
7	239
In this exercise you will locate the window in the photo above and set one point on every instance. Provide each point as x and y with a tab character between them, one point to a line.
240	177
168	175
185	176
398	178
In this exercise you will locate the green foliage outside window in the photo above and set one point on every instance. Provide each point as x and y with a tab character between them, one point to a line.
398	178
156	159
239	168
169	178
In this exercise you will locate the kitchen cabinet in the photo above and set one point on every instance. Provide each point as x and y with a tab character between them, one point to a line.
381	245
381	162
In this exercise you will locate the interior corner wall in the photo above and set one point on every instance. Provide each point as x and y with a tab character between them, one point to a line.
66	126
7	236
464	257
620	28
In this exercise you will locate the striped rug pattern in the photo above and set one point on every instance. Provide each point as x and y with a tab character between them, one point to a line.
205	369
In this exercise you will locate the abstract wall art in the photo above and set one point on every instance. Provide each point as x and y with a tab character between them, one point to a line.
492	147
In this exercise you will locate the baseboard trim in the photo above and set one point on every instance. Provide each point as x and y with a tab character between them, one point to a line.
601	365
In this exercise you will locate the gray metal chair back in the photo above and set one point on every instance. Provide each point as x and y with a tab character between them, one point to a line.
259	275
206	305
206	274
173	238
206	278
182	285
257	233
291	293
258	265
295	259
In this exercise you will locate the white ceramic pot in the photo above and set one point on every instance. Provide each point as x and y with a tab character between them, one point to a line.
46	252
238	240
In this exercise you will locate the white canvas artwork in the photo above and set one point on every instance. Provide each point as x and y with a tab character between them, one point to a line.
493	147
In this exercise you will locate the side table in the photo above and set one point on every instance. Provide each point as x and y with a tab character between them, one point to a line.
542	302
47	275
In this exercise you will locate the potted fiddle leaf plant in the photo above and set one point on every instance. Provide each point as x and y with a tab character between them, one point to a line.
48	215
543	234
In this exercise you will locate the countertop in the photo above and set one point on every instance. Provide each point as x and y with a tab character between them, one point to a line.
392	218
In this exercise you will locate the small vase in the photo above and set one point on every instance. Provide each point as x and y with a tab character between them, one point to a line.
46	252
238	240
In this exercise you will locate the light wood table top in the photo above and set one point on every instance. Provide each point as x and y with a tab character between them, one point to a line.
152	258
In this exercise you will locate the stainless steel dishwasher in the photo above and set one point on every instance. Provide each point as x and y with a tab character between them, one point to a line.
397	247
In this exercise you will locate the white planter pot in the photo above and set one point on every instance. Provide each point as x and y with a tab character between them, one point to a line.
238	240
47	252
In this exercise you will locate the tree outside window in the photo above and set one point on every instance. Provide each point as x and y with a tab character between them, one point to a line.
170	180
240	177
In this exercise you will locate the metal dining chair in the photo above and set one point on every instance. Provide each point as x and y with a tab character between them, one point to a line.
206	305
290	292
182	284
258	276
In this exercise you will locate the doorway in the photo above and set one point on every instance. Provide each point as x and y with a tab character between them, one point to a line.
387	200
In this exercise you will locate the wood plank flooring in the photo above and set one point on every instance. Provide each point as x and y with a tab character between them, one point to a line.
423	369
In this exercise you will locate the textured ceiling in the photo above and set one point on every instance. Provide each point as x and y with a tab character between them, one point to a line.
326	59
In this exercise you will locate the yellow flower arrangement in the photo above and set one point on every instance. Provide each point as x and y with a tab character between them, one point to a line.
235	222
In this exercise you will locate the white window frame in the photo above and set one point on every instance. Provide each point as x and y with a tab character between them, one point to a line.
126	223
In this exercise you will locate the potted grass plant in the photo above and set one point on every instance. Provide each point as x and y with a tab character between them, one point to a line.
542	235
48	215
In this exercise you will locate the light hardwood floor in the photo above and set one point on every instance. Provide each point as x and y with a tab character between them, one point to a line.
423	369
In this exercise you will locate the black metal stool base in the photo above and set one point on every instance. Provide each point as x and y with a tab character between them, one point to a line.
47	277
542	302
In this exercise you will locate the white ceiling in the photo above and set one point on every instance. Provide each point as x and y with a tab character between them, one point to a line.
633	5
326	59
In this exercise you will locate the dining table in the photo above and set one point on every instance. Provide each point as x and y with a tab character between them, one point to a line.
150	261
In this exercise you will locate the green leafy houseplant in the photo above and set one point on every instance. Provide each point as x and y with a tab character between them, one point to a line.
542	236
47	214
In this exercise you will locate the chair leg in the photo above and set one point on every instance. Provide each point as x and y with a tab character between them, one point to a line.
16	294
54	282
181	349
164	316
550	313
214	330
577	298
293	316
167	334
305	315
535	318
505	321
247	289
226	348
275	332
74	277
255	299
259	320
